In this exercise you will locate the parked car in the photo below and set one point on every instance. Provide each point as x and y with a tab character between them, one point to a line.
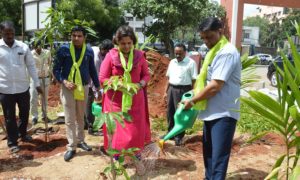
263	59
271	74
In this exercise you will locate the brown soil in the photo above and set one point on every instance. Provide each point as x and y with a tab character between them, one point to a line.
41	160
157	85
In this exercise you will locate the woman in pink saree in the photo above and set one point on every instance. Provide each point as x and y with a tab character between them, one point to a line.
127	61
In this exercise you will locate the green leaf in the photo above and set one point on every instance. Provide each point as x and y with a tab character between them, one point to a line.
107	169
294	143
273	174
118	117
121	159
98	123
127	117
279	162
267	102
295	173
277	123
256	137
112	152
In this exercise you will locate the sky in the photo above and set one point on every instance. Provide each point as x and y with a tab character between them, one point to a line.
248	9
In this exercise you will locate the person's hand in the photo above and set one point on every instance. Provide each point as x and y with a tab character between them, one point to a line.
187	104
69	85
98	95
39	90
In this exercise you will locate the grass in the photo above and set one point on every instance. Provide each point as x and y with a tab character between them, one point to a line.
251	122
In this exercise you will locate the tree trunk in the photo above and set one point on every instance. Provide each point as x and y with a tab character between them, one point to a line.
169	46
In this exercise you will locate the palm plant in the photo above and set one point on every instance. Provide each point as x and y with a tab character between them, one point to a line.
283	114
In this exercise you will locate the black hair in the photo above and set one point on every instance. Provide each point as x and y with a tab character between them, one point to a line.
35	44
210	24
79	28
124	31
180	45
106	44
7	24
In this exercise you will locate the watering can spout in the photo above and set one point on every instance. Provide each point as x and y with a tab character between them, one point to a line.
183	119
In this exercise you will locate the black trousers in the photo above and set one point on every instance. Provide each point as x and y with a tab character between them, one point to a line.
8	102
173	98
89	117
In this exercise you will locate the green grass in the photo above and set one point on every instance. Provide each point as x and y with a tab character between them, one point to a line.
251	122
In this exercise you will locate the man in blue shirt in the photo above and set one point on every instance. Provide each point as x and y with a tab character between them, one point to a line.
74	86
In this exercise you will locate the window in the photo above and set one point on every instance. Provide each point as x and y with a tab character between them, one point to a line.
129	18
138	29
246	35
139	19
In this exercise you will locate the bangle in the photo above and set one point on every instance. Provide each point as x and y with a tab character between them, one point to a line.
191	102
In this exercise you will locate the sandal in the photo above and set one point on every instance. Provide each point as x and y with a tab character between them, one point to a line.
14	149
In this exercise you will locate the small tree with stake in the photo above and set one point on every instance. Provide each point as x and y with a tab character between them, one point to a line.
110	119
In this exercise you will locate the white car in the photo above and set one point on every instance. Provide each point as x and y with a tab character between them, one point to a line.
263	59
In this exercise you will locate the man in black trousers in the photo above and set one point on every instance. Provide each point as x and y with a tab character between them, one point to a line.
16	62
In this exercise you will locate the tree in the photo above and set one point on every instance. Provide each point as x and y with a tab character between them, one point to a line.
262	23
287	25
105	16
275	34
170	15
11	10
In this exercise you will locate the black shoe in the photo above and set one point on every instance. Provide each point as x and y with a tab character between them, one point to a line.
178	142
90	131
34	121
69	155
84	146
27	138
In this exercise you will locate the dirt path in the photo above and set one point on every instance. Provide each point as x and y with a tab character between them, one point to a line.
247	162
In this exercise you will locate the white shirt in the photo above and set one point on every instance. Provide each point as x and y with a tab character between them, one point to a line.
226	66
16	64
42	62
183	72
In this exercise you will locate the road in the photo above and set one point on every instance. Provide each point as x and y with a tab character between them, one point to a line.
264	82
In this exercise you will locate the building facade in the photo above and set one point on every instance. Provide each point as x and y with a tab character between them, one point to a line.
250	36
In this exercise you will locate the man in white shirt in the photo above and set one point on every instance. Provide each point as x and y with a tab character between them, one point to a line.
42	59
99	55
16	62
181	73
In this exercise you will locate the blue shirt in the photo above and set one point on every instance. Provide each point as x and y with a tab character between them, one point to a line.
63	63
226	66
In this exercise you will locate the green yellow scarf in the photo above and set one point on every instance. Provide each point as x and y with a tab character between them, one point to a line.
75	75
126	98
201	79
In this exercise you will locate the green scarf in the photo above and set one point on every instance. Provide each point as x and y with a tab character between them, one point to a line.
126	98
75	72
201	79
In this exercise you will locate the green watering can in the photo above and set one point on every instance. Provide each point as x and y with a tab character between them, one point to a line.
183	119
96	109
